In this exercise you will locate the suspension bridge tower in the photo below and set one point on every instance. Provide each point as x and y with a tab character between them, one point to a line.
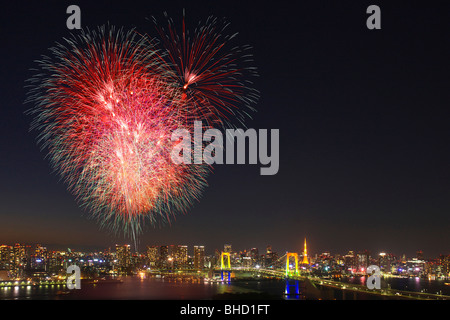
225	268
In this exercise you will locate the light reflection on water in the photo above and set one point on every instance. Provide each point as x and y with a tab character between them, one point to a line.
139	288
31	292
415	284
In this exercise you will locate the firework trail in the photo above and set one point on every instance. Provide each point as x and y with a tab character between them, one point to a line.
105	105
209	76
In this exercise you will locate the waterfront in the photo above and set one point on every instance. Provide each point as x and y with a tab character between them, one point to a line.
415	284
151	288
137	288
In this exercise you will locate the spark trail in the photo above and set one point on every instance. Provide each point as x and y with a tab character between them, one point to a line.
105	105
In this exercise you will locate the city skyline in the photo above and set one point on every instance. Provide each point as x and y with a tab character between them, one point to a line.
362	114
34	270
226	247
22	261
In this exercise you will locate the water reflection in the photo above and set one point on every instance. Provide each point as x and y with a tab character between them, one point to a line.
151	288
415	284
292	290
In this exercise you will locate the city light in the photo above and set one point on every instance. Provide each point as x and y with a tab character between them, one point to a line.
35	265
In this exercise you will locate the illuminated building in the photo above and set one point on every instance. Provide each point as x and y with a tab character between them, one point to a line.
350	261
199	257
163	257
387	261
19	255
180	257
123	254
40	251
22	258
415	266
6	257
53	263
268	257
444	260
39	258
247	262
172	251
152	255
216	257
362	260
275	260
254	256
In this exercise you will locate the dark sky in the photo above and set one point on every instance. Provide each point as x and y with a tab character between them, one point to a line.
363	118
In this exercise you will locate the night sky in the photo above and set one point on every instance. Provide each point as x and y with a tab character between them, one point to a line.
363	118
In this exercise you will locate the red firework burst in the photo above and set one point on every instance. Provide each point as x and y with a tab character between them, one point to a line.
106	104
211	79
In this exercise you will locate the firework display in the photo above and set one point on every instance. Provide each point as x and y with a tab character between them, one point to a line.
106	103
214	79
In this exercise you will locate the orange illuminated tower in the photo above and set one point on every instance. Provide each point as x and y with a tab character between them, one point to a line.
305	255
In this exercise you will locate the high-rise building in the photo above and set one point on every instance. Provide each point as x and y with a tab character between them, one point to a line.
386	261
362	261
123	254
171	255
199	257
254	256
444	261
350	261
268	256
6	257
39	257
40	251
20	257
217	257
246	261
52	264
275	260
152	255
383	261
163	257
181	257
